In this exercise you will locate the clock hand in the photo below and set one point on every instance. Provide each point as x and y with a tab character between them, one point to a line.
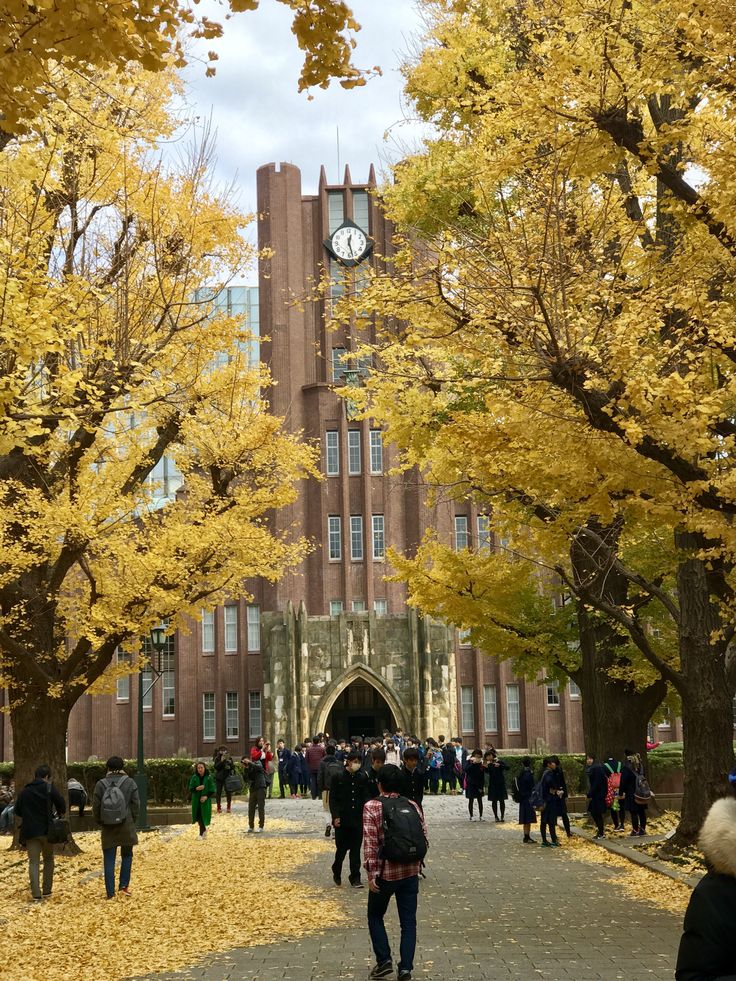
350	244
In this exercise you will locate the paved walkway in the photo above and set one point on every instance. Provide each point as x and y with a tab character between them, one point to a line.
491	909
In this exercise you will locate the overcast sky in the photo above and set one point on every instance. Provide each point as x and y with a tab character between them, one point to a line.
260	116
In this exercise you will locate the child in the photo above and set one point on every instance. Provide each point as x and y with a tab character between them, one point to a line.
474	782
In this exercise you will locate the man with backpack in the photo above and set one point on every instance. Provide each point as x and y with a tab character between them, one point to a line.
395	843
348	792
329	768
115	806
34	807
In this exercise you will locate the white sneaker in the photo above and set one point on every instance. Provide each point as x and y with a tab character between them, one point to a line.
259	830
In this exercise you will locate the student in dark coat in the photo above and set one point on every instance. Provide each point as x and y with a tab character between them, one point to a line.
32	807
475	778
524	788
597	789
449	777
347	795
283	755
377	760
551	799
303	771
497	793
561	785
412	777
113	836
293	771
707	950
224	766
630	771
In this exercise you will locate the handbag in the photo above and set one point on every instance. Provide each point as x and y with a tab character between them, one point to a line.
59	829
515	795
233	783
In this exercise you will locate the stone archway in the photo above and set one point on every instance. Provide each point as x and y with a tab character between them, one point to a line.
360	673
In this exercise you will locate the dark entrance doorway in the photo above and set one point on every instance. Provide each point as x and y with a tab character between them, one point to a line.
360	711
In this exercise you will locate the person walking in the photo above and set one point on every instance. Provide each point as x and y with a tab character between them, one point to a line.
115	806
33	807
201	791
597	790
224	767
550	798
631	771
475	775
561	786
524	787
413	778
255	774
329	768
395	874
347	794
314	756
707	951
497	793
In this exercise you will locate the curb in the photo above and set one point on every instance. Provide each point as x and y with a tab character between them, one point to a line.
637	858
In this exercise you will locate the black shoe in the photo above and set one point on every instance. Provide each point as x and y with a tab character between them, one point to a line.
404	975
384	970
337	878
327	831
598	837
356	884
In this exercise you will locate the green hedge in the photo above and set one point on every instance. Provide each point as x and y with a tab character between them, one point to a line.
573	767
167	779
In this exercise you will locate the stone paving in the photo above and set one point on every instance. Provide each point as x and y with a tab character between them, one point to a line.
491	909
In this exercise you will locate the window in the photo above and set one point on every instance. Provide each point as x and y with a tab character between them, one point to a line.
380	607
358	606
553	694
467	710
122	684
356	537
360	209
484	533
168	693
254	714
353	451
574	690
339	365
231	628
376	451
489	708
335	608
208	631
335	210
332	453
461	532
147	688
254	628
208	716
463	637
665	723
338	277
379	538
513	708
232	715
334	538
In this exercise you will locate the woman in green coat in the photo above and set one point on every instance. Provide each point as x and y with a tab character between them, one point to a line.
202	789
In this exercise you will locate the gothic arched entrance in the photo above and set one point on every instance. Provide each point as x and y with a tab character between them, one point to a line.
360	710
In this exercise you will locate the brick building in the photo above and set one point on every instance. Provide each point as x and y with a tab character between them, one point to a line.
331	646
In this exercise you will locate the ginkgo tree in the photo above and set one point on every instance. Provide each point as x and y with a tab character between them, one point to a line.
113	357
43	42
569	314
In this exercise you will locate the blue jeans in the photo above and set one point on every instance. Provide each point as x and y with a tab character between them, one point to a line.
126	864
407	893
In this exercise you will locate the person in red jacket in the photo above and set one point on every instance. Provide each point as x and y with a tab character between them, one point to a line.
313	757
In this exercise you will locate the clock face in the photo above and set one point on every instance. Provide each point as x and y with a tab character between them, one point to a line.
349	243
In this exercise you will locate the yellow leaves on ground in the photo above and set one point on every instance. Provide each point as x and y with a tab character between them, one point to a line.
190	898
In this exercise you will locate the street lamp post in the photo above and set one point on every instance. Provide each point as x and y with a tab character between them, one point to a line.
158	642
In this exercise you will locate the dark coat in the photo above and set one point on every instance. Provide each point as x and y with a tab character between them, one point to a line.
303	770
549	793
561	784
329	769
707	951
372	782
255	775
597	789
294	769
413	783
32	807
627	787
314	756
525	784
348	794
497	779
475	778
118	834
224	766
283	756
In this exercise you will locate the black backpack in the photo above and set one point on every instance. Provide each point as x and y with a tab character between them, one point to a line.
403	835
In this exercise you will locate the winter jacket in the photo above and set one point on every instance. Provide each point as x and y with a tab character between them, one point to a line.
348	793
256	776
707	951
224	766
118	834
497	779
475	777
413	785
597	789
294	769
32	807
329	768
314	756
209	791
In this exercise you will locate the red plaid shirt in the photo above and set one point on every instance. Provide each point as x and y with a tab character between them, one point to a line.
380	868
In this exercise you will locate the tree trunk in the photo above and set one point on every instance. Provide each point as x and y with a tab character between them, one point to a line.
706	694
39	736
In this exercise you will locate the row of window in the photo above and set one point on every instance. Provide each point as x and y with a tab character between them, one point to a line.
490	710
230	619
232	715
357	552
380	607
354	448
462	533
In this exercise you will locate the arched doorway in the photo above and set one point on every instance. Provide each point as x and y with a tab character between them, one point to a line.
360	710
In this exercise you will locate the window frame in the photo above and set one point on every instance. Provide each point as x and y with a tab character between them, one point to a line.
467	705
375	438
460	521
356	538
333	604
354	446
380	534
487	690
233	607
253	623
332	453
231	735
253	732
122	682
206	714
510	726
334	537
554	699
208	627
168	674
